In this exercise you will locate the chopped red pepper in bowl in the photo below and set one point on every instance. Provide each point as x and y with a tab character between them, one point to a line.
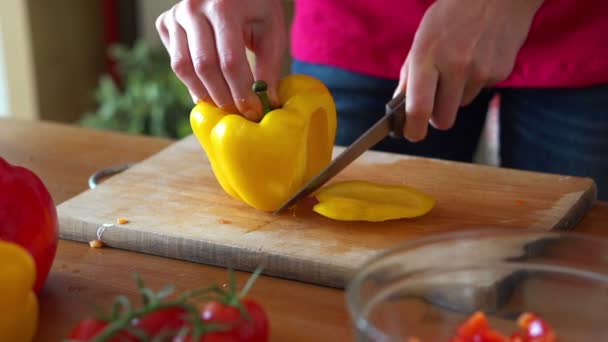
484	285
532	328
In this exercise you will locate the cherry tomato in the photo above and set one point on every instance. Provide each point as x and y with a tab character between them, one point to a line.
254	329
169	319
88	329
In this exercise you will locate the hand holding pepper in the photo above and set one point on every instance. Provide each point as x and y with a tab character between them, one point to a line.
206	41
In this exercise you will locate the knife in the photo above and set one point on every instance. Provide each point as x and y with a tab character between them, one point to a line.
390	124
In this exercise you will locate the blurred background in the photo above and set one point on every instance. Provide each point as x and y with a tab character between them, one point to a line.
100	64
94	63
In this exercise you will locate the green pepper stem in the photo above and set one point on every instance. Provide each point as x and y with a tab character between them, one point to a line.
261	89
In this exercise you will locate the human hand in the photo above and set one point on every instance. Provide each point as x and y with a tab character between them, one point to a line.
207	40
460	47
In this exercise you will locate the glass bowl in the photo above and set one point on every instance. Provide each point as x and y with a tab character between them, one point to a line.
426	288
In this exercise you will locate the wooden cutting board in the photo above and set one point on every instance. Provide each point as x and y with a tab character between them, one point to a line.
176	209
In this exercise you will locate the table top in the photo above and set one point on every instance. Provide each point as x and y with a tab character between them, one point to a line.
84	278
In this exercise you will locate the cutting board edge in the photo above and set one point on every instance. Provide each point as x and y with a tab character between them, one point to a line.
578	211
211	253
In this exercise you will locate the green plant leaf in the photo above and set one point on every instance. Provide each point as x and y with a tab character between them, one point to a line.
183	129
151	99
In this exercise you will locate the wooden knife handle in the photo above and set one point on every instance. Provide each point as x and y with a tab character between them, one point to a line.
396	109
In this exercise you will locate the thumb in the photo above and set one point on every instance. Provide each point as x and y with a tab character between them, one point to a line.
402	79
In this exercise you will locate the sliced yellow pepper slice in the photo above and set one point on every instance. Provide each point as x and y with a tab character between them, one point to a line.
367	201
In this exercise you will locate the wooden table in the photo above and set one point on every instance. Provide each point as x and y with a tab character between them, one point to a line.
83	278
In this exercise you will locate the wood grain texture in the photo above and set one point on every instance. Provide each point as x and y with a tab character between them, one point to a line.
82	277
64	156
176	209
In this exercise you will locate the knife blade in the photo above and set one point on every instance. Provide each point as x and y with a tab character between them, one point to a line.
390	124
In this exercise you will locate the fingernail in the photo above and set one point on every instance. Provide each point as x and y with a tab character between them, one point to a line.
274	98
433	123
400	88
229	108
415	130
408	104
254	106
194	97
251	115
412	139
397	91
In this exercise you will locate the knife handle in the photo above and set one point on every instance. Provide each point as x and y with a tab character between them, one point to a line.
395	108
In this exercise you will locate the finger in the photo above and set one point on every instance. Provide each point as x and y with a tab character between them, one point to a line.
470	92
402	78
447	100
419	101
161	28
228	33
163	33
205	62
181	63
268	43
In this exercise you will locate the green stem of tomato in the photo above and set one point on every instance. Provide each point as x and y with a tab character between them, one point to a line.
152	302
123	323
251	281
119	325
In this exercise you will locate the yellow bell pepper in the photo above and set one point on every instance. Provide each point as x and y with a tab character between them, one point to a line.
19	313
366	201
264	163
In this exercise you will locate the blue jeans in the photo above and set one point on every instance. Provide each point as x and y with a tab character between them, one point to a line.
562	131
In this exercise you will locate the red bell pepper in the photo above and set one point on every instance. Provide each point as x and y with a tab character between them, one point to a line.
28	217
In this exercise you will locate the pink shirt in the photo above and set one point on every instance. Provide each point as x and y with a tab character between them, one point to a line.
567	45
